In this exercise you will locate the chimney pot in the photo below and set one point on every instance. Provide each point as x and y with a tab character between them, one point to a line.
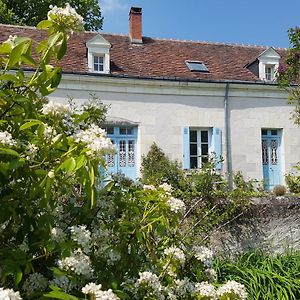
135	25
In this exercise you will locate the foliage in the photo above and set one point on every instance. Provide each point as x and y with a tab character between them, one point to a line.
279	190
62	236
288	75
31	12
157	168
265	277
293	181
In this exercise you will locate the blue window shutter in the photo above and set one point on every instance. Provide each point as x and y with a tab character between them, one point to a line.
217	146
186	147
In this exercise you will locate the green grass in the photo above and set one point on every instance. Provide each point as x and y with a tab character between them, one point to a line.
265	277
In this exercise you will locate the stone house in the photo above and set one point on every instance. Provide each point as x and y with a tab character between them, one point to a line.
192	98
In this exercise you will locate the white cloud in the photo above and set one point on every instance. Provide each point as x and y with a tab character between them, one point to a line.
112	5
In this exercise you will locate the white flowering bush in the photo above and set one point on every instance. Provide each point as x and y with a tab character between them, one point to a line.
62	235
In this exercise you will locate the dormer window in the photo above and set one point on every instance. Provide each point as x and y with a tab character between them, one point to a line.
98	55
268	64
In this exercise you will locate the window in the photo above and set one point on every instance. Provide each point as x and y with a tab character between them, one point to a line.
269	72
98	63
199	148
126	130
98	54
196	66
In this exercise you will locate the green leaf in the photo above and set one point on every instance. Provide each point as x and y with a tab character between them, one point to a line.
68	165
60	295
9	152
53	39
56	78
8	77
27	59
31	123
15	54
63	49
44	24
5	48
80	161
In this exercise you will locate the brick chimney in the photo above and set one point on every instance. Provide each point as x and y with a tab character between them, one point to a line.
135	25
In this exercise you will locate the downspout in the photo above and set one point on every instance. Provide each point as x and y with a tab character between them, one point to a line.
227	138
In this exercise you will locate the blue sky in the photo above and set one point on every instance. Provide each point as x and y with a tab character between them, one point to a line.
254	22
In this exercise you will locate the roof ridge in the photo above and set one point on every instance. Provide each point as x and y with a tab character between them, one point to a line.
216	43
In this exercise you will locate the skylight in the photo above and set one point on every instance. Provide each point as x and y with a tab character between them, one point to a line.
196	66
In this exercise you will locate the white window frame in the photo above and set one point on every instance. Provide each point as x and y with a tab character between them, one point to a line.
268	59
199	143
98	47
100	65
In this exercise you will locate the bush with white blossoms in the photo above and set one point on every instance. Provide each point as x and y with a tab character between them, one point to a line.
62	235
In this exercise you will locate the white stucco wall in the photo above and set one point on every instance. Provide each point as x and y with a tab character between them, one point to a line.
162	108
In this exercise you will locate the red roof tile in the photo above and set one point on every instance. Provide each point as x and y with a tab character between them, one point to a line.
156	58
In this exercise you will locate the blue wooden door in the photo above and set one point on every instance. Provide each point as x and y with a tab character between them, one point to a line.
124	160
271	157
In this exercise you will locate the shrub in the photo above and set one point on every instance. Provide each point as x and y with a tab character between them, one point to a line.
157	168
293	183
279	190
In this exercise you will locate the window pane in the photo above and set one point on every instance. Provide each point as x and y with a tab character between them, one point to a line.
110	130
193	136
204	149
193	162
96	67
273	132
204	160
193	149
204	136
264	132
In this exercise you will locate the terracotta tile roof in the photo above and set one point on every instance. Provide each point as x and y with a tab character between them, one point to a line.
157	58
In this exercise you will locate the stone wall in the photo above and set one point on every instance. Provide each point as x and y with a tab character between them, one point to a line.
272	224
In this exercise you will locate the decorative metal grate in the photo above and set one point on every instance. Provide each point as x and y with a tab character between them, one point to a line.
274	157
122	153
265	156
131	153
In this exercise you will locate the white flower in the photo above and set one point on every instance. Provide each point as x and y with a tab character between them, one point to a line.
211	274
184	287
203	254
9	294
36	282
66	18
176	205
95	140
232	288
205	289
91	288
78	263
7	139
31	151
149	279
58	235
51	174
149	187
62	282
95	291
113	257
166	187
56	109
175	253
82	236
49	131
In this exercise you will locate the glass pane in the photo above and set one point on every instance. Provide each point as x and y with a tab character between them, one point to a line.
131	153
123	130
193	162
193	136
96	67
204	160
273	132
204	149
193	149
122	153
204	136
264	132
109	130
